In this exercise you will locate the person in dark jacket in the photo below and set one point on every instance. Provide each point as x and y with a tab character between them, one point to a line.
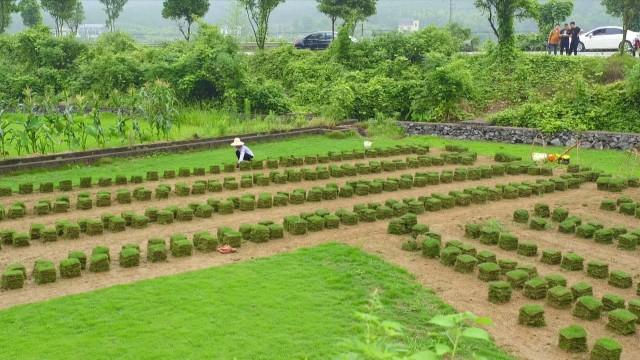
565	39
575	39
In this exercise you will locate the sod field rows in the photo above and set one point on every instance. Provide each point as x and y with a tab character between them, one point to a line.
124	240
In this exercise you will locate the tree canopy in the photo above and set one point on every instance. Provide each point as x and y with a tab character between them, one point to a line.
629	11
30	12
185	12
6	8
61	11
112	9
259	12
502	15
553	12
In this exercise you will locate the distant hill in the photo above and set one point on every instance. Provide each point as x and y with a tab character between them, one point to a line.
143	19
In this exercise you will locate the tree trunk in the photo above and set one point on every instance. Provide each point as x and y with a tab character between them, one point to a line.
333	26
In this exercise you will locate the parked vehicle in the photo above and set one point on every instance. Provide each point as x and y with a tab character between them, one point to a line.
606	38
317	41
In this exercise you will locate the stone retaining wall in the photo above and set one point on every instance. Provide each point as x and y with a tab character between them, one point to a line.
514	135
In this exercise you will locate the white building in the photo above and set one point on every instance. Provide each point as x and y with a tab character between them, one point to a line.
409	26
87	31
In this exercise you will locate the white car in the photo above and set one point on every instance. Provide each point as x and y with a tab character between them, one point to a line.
606	38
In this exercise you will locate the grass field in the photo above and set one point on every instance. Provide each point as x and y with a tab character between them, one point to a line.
291	306
611	161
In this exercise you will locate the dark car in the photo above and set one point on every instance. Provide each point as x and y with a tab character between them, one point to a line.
315	41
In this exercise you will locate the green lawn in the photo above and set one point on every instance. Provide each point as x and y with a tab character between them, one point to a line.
290	306
616	162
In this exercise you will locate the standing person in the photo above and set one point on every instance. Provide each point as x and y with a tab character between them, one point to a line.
565	35
554	40
243	153
575	38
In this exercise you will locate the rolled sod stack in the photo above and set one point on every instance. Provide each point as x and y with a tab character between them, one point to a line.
573	339
531	315
606	349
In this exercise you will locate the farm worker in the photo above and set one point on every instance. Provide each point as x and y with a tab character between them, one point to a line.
554	40
575	38
243	153
565	34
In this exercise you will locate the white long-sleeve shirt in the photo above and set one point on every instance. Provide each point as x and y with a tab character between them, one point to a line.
244	150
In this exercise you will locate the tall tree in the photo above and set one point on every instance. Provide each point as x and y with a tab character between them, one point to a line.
551	13
113	8
6	8
30	12
334	9
76	18
61	11
359	10
185	13
629	11
258	12
502	15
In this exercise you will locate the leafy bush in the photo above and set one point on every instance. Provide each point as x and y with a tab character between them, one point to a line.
443	92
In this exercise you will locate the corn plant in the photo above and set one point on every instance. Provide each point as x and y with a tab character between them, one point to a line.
80	126
158	107
5	133
32	124
95	130
68	130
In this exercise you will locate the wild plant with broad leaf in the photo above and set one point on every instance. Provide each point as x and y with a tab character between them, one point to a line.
385	340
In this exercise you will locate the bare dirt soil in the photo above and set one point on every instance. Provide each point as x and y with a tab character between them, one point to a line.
464	291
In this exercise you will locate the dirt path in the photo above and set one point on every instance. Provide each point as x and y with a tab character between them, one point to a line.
463	291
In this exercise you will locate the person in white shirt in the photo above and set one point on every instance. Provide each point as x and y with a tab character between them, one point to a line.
243	153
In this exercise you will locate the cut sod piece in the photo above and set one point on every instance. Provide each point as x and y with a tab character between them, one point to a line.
559	214
572	262
620	279
499	292
606	349
517	278
531	315
551	257
526	248
555	280
598	269
622	322
521	216
587	308
508	242
573	339
559	297
465	263
489	271
535	288
611	302
581	289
